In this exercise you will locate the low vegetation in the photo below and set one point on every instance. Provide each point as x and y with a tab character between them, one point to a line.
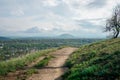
26	74
43	62
20	62
98	61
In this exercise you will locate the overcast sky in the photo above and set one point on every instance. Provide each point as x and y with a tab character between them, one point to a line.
82	18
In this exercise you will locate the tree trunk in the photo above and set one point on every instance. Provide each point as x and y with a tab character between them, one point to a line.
117	33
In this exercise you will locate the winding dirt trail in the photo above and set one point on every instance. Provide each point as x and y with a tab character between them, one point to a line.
55	68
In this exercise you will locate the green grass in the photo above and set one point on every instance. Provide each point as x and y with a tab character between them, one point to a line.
29	72
26	74
43	62
97	61
20	62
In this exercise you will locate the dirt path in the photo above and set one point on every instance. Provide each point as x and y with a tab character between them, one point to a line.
55	68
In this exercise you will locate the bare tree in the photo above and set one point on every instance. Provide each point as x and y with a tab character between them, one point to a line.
113	23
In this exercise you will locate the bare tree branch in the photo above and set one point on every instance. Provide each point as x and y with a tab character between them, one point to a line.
113	23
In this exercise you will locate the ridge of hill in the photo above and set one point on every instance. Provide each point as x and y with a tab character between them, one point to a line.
4	38
65	36
97	61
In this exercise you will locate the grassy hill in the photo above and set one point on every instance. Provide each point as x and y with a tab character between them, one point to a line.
97	61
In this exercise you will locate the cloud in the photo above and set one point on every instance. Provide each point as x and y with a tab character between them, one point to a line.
97	4
17	12
32	30
93	23
51	3
79	17
91	26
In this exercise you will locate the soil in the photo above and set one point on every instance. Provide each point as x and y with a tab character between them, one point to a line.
55	67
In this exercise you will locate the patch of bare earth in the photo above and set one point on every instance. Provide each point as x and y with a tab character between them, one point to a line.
55	68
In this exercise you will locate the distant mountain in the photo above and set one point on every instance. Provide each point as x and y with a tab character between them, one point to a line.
32	30
4	38
66	36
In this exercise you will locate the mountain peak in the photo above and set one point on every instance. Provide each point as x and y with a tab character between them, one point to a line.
66	36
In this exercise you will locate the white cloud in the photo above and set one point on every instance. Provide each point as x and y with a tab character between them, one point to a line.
99	22
82	10
17	12
52	3
74	3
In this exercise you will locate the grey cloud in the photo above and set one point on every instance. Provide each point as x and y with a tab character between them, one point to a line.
62	9
97	4
87	23
32	30
90	19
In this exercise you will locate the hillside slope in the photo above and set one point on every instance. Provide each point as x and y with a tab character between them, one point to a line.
4	38
97	61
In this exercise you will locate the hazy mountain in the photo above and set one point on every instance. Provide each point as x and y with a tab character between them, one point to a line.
66	36
4	38
32	30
